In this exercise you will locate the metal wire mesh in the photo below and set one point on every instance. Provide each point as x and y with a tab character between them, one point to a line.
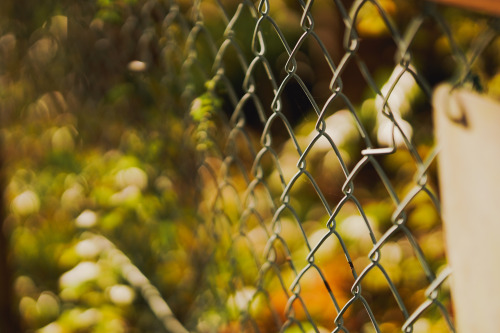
316	184
317	181
311	121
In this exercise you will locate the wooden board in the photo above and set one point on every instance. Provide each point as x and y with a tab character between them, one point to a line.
468	132
491	7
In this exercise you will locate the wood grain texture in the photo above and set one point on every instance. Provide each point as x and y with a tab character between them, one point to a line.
468	132
491	7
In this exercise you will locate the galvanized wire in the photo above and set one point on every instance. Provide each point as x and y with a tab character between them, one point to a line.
266	247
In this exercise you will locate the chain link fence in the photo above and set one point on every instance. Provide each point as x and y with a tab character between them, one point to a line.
317	158
313	171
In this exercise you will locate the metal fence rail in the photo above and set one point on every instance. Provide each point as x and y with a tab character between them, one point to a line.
319	227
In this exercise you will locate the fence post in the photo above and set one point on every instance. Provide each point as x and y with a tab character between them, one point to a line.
484	6
468	132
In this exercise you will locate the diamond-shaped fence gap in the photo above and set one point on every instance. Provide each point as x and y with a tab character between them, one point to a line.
421	130
378	283
277	280
209	184
196	72
172	57
230	199
230	7
297	104
278	274
451	44
423	215
222	229
394	129
248	261
297	74
278	132
322	242
374	18
238	163
429	56
177	19
433	246
147	49
267	161
322	67
387	77
295	304
357	316
233	71
201	46
292	8
303	182
297	71
195	77
483	58
242	22
327	35
465	34
247	324
286	264
398	90
329	257
341	127
286	16
433	314
352	226
419	254
387	114
370	184
259	204
326	168
318	290
384	58
265	311
222	88
415	178
398	259
260	83
175	30
376	289
252	227
260	199
303	327
249	116
385	179
213	17
270	174
287	160
290	230
229	51
270	41
401	177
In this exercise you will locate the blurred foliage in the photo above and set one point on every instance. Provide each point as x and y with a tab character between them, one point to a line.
91	135
104	114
